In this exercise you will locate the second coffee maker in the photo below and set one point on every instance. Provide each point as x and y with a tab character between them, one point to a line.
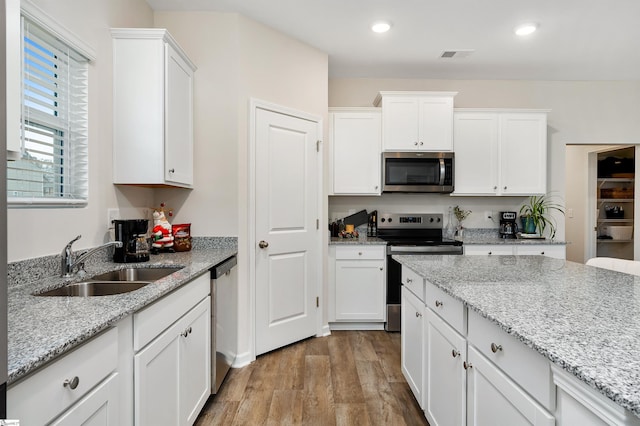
133	235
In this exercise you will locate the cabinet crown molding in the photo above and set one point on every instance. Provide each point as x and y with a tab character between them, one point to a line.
152	34
378	100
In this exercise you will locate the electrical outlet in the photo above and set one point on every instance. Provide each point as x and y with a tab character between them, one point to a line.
112	214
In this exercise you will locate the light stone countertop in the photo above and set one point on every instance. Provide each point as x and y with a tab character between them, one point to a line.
491	236
584	319
355	241
43	328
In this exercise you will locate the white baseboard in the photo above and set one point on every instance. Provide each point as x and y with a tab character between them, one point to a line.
356	325
242	360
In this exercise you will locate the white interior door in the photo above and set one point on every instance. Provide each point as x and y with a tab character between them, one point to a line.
286	215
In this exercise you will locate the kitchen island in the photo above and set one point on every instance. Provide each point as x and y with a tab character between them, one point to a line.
585	321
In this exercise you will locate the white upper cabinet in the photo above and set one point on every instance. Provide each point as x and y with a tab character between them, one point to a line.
416	121
153	109
355	151
500	152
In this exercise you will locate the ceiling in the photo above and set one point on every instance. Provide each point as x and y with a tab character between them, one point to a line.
576	39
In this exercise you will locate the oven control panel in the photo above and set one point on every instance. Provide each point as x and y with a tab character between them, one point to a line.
410	221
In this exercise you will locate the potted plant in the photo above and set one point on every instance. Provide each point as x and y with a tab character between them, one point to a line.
536	214
460	216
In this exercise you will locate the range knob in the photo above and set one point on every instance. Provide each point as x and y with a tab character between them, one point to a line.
382	219
390	219
431	219
438	220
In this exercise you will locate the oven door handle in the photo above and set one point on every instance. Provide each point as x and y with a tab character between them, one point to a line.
424	249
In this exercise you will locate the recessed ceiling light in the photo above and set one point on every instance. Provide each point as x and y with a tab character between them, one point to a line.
526	29
380	27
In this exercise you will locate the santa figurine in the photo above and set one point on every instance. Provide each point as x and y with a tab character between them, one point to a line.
162	239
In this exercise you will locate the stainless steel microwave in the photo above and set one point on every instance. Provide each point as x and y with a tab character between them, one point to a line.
417	172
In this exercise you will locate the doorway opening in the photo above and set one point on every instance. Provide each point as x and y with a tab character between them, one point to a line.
600	201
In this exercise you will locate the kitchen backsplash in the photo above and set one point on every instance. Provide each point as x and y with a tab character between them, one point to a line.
341	206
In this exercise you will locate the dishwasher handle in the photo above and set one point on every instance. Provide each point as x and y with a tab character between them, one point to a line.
223	267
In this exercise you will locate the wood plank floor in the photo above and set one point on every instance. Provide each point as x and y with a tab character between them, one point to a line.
347	378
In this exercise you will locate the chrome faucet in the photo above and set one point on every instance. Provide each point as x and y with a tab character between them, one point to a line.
68	263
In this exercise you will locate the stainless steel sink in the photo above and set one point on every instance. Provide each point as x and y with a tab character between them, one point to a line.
135	274
96	288
112	282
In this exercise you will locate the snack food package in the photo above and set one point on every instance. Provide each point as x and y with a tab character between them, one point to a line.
182	236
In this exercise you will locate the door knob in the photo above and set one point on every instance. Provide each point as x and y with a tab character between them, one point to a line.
263	244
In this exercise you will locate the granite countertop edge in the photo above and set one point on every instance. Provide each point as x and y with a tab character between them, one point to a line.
575	369
43	328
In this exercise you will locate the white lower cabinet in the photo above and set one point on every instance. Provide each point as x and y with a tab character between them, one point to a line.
446	350
98	408
172	372
412	343
557	251
77	388
358	284
494	399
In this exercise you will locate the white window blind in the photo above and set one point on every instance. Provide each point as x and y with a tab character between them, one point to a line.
53	168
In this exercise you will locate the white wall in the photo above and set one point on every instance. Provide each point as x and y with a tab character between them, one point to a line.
38	232
582	112
238	59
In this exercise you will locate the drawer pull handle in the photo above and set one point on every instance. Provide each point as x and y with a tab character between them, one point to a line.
71	384
495	348
454	353
466	365
438	303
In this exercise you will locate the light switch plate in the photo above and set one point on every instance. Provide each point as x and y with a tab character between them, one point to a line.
112	214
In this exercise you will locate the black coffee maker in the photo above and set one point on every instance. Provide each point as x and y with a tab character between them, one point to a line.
508	225
133	235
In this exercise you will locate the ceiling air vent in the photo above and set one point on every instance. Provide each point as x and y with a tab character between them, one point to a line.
448	54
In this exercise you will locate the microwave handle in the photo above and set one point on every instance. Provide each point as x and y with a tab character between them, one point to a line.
442	171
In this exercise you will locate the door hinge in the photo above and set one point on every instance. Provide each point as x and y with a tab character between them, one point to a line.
317	302
317	223
318	142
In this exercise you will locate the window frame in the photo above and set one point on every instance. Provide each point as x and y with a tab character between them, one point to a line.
38	17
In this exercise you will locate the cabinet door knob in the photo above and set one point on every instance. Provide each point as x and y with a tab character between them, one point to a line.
495	348
415	143
376	187
490	253
542	253
184	333
172	170
418	314
454	353
466	365
71	384
438	303
505	188
495	187
359	253
421	143
409	280
381	269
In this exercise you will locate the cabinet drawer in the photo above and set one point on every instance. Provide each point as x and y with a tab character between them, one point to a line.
525	366
360	252
45	389
154	319
448	308
413	282
555	251
488	250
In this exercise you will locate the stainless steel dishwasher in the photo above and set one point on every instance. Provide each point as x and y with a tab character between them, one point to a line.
224	320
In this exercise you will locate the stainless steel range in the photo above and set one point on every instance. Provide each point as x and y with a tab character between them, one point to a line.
410	233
